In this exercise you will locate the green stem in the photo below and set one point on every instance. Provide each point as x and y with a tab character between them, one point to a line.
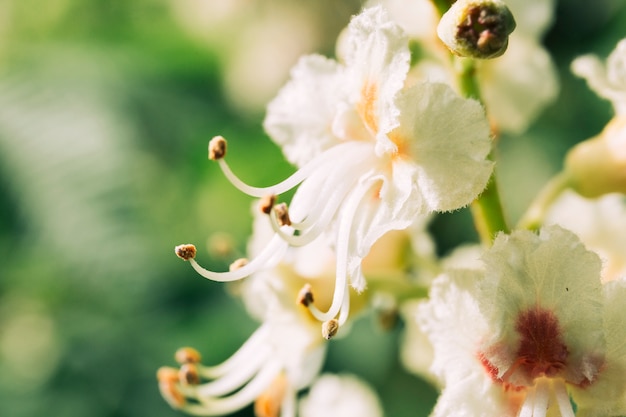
487	208
488	214
534	216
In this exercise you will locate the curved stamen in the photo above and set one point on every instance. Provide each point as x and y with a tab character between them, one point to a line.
325	158
240	357
345	308
562	398
240	399
236	378
275	245
288	406
321	214
347	214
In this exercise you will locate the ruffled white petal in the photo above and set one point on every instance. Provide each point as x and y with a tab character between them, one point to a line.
377	62
447	137
455	327
607	395
300	118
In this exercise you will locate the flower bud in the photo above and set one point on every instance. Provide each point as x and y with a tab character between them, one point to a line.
597	166
477	28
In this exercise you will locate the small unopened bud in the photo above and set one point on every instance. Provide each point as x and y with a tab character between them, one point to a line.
282	214
187	355
188	374
186	251
597	166
217	148
266	203
239	263
305	296
168	378
477	28
330	328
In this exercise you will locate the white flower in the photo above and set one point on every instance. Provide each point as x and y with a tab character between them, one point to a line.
531	332
608	81
597	223
340	396
373	157
283	356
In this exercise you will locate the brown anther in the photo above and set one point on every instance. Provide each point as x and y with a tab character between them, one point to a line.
217	148
168	379
305	296
266	203
187	355
186	251
188	374
330	328
167	374
239	263
282	214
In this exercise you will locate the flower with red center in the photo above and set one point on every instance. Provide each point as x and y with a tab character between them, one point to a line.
532	334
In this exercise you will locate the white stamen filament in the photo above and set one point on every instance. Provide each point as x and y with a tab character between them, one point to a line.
240	399
274	246
542	397
562	398
538	399
319	217
240	357
347	214
326	158
237	377
288	406
345	308
528	405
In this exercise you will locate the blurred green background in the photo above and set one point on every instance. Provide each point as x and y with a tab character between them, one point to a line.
106	108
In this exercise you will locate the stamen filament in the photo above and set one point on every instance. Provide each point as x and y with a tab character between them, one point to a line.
562	398
240	357
240	399
237	377
542	397
325	158
274	246
288	406
342	248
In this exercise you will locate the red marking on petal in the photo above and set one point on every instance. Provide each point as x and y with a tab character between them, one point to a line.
541	349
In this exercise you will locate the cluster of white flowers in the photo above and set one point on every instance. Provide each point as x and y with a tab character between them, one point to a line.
531	322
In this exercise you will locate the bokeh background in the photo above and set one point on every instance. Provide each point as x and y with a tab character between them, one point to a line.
106	108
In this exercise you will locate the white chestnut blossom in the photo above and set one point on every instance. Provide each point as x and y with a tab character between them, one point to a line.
531	334
283	356
372	156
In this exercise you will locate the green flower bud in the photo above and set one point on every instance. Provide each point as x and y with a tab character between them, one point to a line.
477	28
